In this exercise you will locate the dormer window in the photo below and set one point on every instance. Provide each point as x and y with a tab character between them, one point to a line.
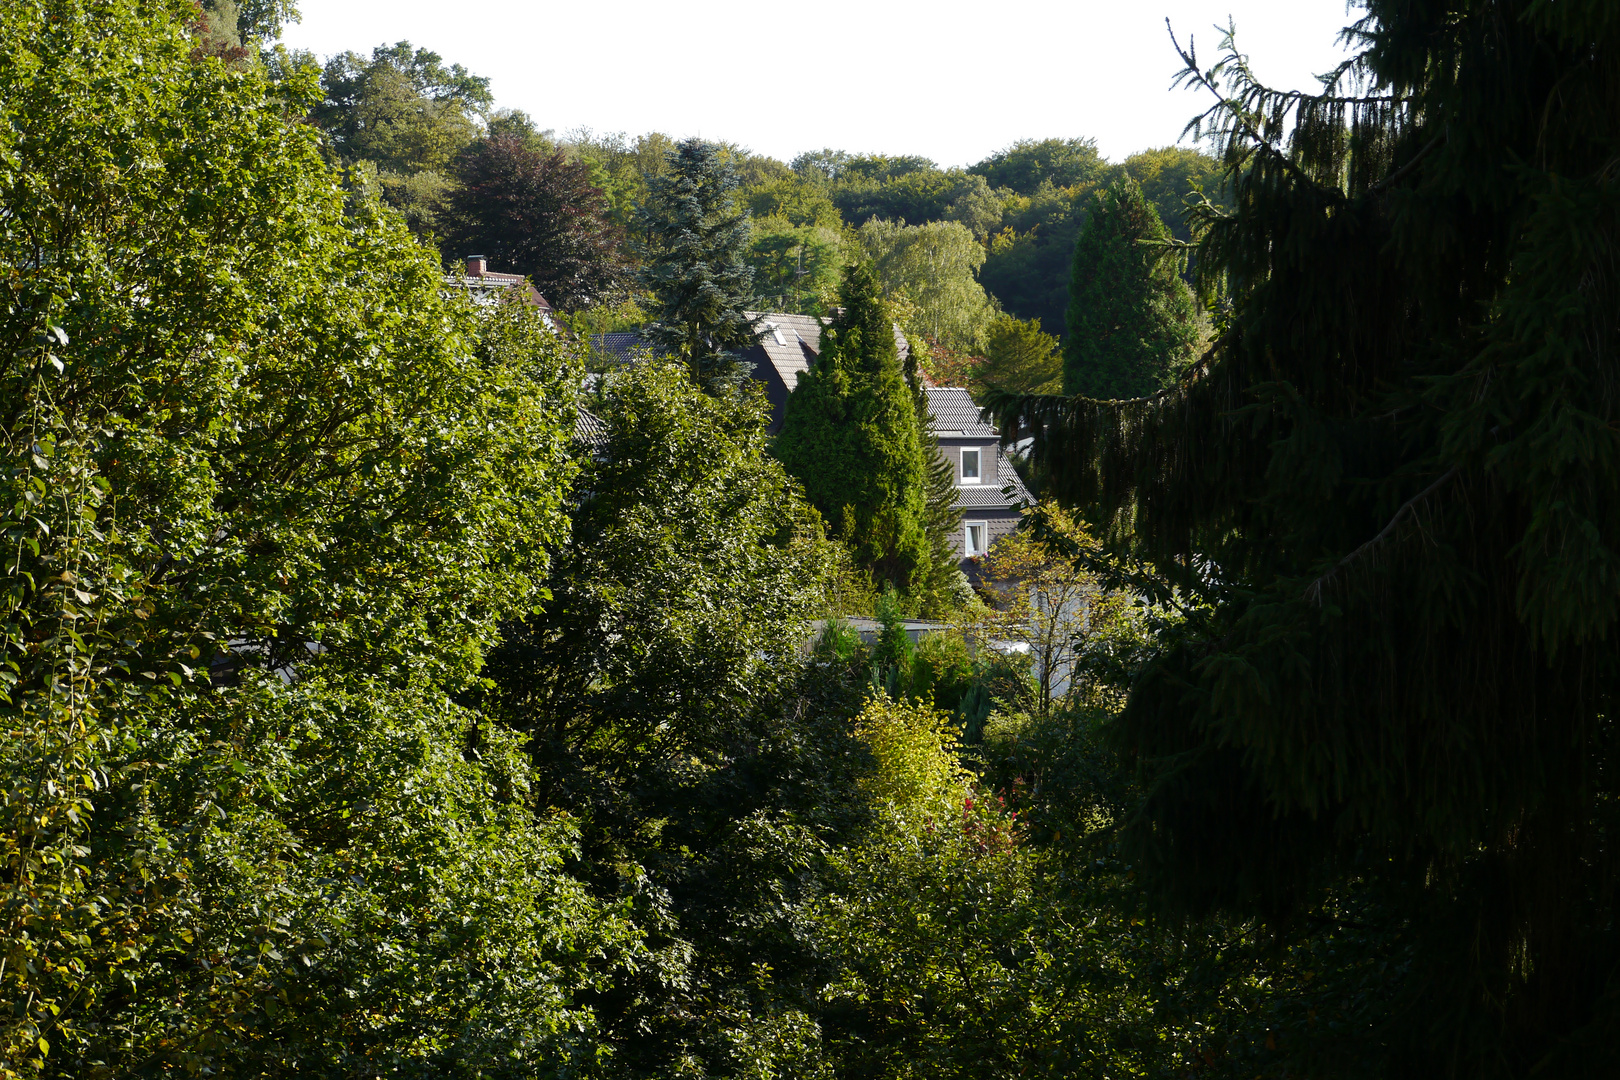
970	466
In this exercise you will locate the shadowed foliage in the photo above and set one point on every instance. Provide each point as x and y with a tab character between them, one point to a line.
1395	482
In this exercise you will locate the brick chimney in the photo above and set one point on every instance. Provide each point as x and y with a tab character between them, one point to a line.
476	266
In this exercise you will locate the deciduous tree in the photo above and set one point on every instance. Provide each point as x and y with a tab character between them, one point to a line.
536	213
1028	163
658	689
929	272
797	268
268	492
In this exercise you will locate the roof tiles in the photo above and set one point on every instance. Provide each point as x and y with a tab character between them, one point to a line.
954	411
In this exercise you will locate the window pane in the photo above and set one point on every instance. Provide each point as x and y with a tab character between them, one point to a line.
970	464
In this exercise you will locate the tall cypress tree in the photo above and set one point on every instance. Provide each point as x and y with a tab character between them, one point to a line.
850	434
1395	484
1132	323
945	588
695	247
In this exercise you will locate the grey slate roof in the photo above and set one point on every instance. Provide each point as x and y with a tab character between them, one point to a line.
620	346
956	415
995	496
589	429
791	343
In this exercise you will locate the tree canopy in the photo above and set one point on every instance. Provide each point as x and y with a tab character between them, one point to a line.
536	213
1389	497
658	695
249	500
1132	321
1028	163
850	434
401	109
797	268
694	249
1019	357
929	272
369	708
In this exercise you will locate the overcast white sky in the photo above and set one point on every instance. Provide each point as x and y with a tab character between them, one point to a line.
950	81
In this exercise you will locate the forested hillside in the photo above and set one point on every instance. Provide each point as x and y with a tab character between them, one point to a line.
954	246
393	688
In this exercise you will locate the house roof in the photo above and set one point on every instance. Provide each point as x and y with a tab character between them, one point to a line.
487	286
589	428
1006	494
955	414
621	345
791	343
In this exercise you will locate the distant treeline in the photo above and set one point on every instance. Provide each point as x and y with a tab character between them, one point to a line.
403	122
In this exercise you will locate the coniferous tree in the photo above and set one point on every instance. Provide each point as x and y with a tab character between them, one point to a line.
945	587
1394	491
1019	357
851	436
695	248
1132	324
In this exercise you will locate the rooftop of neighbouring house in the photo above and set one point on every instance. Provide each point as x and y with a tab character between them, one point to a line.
485	284
956	416
589	428
620	346
790	343
1007	492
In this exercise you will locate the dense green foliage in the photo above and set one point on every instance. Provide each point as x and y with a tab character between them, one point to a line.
397	120
929	274
1019	357
1029	258
694	246
1132	320
248	509
797	268
370	710
1394	487
659	695
1029	163
230	29
850	434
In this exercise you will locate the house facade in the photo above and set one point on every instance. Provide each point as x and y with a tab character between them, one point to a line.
989	491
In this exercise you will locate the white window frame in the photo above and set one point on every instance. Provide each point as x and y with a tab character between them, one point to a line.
968	549
978	465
